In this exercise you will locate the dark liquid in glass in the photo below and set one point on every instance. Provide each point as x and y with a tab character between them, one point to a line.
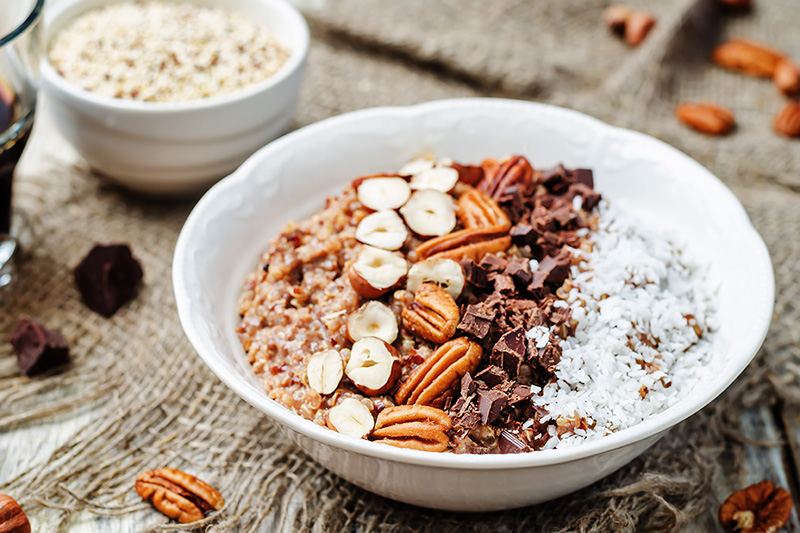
14	133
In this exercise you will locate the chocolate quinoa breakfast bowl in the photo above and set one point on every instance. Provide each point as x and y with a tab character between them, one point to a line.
490	308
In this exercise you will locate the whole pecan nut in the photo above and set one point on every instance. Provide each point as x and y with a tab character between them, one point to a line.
787	121
476	209
516	170
760	507
706	117
12	518
178	495
433	314
416	427
471	243
747	56
787	77
432	382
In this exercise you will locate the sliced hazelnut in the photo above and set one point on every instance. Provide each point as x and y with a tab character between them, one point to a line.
383	193
441	179
324	371
374	366
352	418
430	213
383	229
376	271
445	273
416	166
373	319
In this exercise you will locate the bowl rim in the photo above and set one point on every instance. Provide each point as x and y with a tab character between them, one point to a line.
651	427
295	61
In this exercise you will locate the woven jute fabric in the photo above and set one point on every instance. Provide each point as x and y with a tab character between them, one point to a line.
146	400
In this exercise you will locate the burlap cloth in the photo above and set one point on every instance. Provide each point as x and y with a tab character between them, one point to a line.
147	400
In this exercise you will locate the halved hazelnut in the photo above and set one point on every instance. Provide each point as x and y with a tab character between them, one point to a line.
430	213
324	371
445	273
383	229
441	179
383	193
416	166
373	319
374	366
376	271
352	418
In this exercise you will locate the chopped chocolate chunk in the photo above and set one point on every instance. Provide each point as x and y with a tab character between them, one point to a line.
492	375
563	215
467	385
37	348
490	403
520	270
583	176
556	180
589	196
108	277
513	203
557	268
560	315
492	263
519	393
503	283
549	356
476	275
509	351
477	320
509	443
523	235
468	174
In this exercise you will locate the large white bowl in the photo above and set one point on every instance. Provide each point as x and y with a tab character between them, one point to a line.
177	147
290	178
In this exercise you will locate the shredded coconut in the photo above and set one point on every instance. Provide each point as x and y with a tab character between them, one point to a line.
639	303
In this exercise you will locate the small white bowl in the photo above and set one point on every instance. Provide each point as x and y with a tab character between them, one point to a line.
232	224
177	147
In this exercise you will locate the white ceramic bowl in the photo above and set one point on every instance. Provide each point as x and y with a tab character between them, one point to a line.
176	147
231	225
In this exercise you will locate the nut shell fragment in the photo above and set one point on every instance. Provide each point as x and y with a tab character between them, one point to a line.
415	427
178	495
434	381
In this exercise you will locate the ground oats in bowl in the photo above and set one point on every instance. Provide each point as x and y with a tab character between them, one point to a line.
480	309
163	52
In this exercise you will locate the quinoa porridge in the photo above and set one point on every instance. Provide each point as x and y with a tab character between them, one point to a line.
491	308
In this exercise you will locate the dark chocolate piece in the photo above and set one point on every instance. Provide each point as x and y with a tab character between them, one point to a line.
557	268
549	356
563	215
467	385
476	275
490	403
519	393
584	176
520	270
523	235
492	375
513	203
589	196
37	348
560	315
503	283
509	443
477	320
108	277
265	267
509	351
492	263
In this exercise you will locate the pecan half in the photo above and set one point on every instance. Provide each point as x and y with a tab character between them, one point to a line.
471	243
433	315
761	507
787	121
476	209
787	77
514	171
706	117
416	427
432	382
638	27
749	57
178	495
12	518
468	174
